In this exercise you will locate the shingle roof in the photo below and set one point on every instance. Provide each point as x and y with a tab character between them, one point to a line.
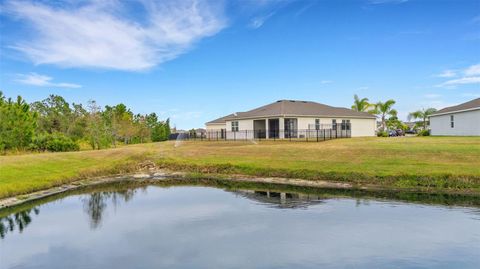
220	120
286	108
475	103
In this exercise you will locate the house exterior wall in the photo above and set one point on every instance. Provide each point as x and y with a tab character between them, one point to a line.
359	127
465	124
215	127
243	126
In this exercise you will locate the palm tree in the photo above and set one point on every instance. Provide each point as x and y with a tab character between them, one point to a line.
382	110
422	114
360	104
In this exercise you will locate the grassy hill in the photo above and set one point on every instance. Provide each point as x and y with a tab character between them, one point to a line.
423	163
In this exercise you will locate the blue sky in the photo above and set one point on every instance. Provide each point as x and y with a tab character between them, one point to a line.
195	60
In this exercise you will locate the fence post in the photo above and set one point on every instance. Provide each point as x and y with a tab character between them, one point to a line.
234	136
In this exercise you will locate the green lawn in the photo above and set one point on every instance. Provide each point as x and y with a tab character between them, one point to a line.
427	163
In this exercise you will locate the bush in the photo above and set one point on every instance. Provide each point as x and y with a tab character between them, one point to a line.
424	133
382	134
54	142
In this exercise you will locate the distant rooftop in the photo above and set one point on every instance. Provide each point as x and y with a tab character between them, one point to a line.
475	103
287	108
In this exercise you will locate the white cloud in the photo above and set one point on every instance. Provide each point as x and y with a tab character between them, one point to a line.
471	76
104	34
363	88
258	22
42	81
464	80
473	70
447	74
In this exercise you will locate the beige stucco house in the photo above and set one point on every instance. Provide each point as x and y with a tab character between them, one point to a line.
460	120
293	119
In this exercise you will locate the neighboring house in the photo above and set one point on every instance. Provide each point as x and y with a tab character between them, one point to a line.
461	120
293	119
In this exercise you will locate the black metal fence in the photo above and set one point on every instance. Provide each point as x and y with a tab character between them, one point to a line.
313	135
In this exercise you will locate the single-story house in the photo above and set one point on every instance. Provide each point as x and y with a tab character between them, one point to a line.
460	120
293	119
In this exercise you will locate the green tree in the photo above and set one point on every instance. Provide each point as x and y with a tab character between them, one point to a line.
361	105
17	123
384	109
95	125
78	122
422	114
55	114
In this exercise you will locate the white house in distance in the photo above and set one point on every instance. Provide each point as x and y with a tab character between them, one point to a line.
293	119
460	120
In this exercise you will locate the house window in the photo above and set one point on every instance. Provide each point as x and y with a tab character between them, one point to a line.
345	125
452	121
317	124
334	125
234	126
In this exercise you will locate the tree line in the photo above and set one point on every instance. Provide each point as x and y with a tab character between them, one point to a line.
388	115
55	125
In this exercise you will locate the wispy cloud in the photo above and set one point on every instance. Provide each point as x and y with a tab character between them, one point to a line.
470	75
473	70
102	34
35	79
363	88
258	21
447	74
326	82
460	81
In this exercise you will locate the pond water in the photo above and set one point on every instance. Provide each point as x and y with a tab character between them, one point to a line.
206	227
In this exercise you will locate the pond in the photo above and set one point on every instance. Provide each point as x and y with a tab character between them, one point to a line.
208	227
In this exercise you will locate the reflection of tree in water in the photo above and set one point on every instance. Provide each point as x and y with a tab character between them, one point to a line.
19	220
96	203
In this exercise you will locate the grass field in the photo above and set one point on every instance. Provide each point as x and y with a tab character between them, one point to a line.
423	163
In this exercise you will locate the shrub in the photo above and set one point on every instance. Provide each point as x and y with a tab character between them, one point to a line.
424	133
382	134
54	142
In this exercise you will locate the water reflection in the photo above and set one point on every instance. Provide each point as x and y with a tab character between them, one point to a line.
96	203
281	199
17	221
202	227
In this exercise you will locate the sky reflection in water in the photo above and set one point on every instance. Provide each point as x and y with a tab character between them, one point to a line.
200	227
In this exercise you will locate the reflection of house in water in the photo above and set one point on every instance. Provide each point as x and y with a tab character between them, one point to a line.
281	199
